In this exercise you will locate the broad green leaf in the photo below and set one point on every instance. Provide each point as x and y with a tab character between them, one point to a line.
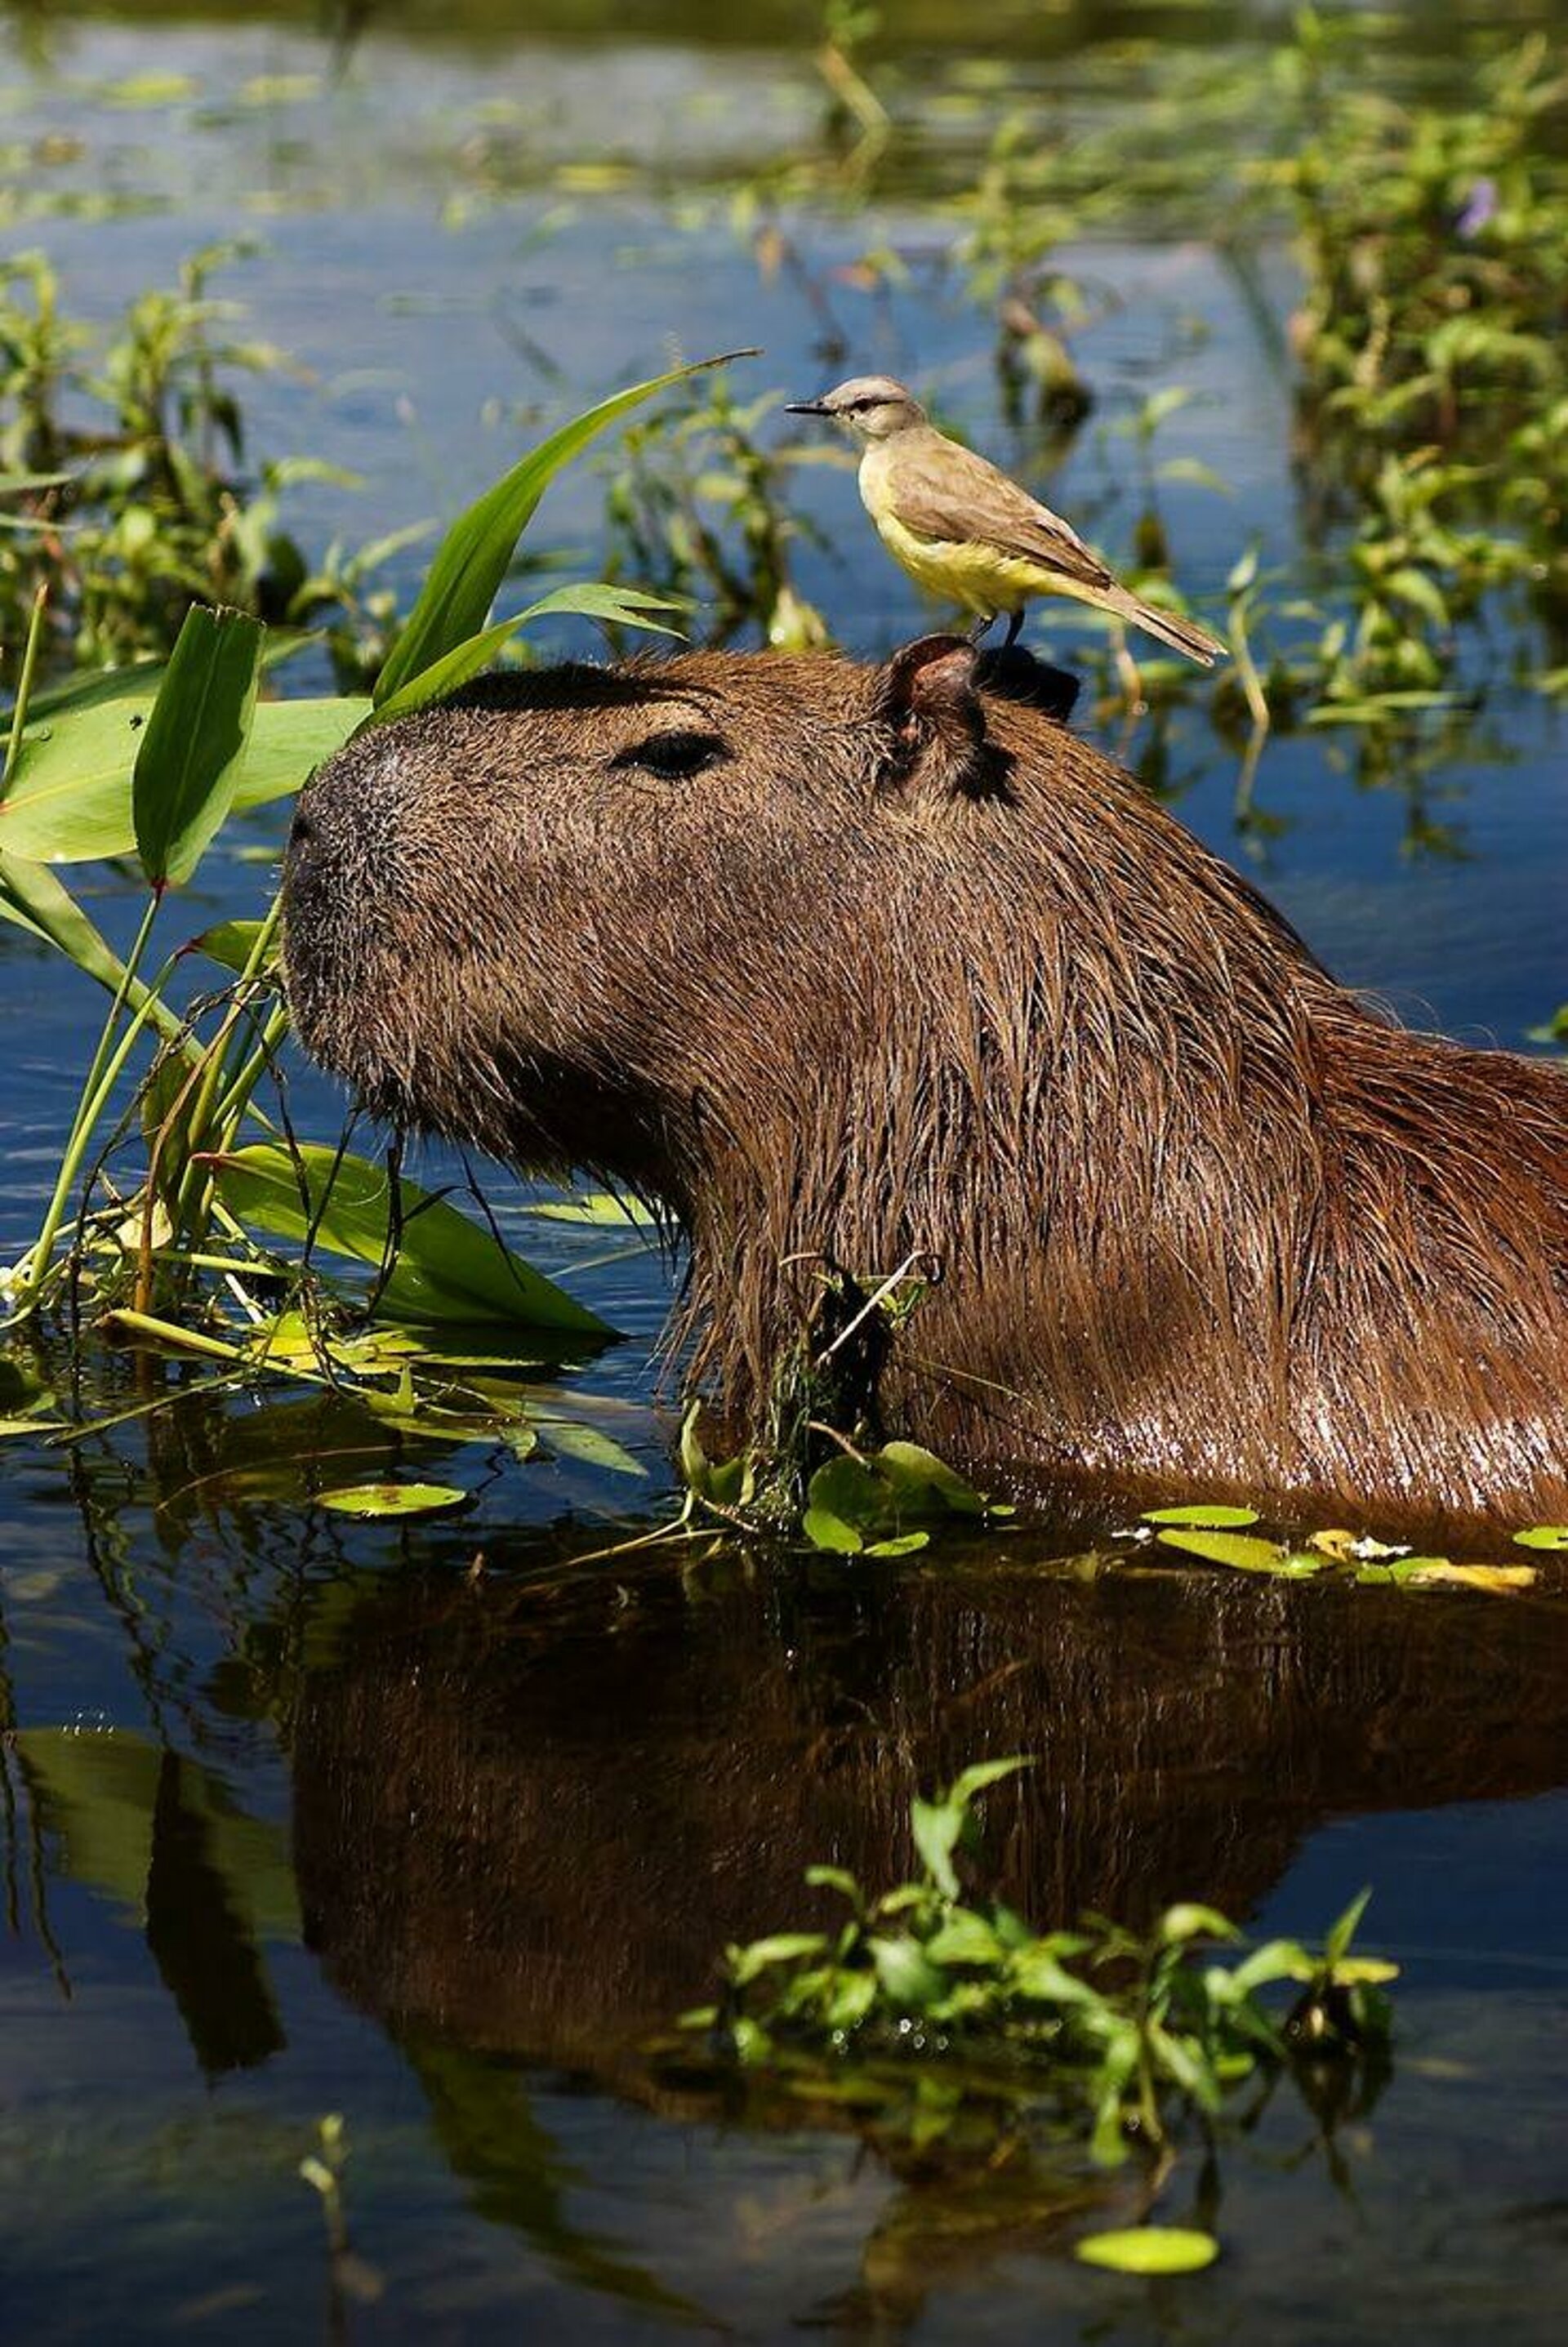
899	1544
623	607
1242	1553
391	1498
907	1974
919	1473
468	566
231	943
1149	2249
1204	1516
70	796
447	1267
965	1938
182	785
936	1826
1037	1973
1549	1536
781	1948
827	1531
1275	1960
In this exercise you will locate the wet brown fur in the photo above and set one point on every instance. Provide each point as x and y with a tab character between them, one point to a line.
906	971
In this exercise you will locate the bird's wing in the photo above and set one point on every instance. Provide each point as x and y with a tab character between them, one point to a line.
944	492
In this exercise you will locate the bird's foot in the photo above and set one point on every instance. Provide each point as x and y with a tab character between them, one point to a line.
1014	624
983	627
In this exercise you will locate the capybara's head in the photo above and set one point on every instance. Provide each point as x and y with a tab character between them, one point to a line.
868	972
567	914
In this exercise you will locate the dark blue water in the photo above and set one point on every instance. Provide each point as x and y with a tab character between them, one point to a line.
306	1818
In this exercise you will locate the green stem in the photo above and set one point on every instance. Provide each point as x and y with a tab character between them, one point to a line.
236	1101
24	685
194	1207
108	1064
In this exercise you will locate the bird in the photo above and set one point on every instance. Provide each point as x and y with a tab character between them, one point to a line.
964	531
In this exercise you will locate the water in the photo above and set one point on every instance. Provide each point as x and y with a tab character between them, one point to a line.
431	1826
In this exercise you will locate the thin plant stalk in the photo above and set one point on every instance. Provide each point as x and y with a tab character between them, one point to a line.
191	1213
108	1067
24	685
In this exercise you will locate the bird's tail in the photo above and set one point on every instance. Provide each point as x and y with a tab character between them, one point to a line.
1182	635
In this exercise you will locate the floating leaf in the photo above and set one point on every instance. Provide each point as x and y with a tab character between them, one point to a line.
1149	2249
391	1498
1202	1516
589	1446
447	1267
1242	1553
1549	1536
187	760
920	1475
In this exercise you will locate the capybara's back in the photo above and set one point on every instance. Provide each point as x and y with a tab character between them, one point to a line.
867	971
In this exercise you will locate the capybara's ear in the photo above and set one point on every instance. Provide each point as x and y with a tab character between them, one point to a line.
927	696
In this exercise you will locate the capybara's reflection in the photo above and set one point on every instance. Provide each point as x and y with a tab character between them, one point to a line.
532	1821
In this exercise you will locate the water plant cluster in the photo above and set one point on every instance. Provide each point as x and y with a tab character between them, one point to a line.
127	488
171	1190
938	2020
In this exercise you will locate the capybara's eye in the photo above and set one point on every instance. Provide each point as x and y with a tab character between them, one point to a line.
674	755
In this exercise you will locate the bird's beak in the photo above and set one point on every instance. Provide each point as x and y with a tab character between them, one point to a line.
808	407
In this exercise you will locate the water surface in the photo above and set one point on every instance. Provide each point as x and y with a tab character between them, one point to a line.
433	1826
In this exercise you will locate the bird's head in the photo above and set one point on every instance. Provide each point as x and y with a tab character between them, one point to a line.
868	406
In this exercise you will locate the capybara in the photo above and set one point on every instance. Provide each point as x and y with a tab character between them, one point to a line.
865	970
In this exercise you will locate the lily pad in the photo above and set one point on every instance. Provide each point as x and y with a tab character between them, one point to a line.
1244	1553
1149	2249
391	1498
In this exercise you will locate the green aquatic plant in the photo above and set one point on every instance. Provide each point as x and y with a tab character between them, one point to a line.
930	2012
156	759
123	487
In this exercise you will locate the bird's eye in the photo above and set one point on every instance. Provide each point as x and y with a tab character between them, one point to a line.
674	755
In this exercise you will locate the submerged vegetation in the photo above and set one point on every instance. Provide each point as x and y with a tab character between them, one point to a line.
942	2023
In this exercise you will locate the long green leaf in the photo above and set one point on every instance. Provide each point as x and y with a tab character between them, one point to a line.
447	1267
466	574
70	799
622	607
182	785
